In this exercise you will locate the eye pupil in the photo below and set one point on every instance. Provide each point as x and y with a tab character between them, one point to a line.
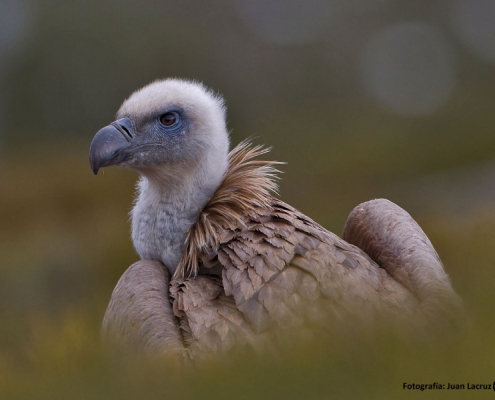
168	119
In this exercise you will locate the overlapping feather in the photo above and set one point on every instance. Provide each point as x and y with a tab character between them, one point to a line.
245	189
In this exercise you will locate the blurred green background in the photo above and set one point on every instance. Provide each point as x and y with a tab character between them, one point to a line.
363	99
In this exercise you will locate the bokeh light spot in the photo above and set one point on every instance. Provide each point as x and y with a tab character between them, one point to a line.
474	23
409	68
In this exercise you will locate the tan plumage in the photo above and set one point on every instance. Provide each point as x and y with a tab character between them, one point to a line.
251	262
275	261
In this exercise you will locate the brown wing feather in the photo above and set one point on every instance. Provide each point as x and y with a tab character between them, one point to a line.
207	313
281	260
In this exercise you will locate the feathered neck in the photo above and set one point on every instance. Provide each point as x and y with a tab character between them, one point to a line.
244	191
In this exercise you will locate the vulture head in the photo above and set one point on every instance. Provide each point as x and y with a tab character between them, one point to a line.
170	131
173	132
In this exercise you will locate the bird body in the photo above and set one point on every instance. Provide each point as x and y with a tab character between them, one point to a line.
223	260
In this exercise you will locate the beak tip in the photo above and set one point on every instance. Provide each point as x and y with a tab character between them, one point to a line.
107	148
94	168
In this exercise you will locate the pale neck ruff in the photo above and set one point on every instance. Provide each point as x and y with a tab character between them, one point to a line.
168	204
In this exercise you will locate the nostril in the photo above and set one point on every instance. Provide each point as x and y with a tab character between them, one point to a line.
123	130
127	130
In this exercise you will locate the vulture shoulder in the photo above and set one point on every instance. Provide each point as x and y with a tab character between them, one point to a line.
140	314
393	239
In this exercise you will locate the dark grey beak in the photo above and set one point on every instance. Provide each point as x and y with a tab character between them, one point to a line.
110	144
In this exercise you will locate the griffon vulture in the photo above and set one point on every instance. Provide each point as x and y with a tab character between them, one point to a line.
222	260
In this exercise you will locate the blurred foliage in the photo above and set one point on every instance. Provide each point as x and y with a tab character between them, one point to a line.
64	234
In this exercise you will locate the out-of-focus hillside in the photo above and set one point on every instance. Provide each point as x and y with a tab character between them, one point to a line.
363	100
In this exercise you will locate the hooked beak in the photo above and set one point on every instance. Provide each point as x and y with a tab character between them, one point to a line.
110	144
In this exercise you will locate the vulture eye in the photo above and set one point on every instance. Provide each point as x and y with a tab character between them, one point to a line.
170	119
